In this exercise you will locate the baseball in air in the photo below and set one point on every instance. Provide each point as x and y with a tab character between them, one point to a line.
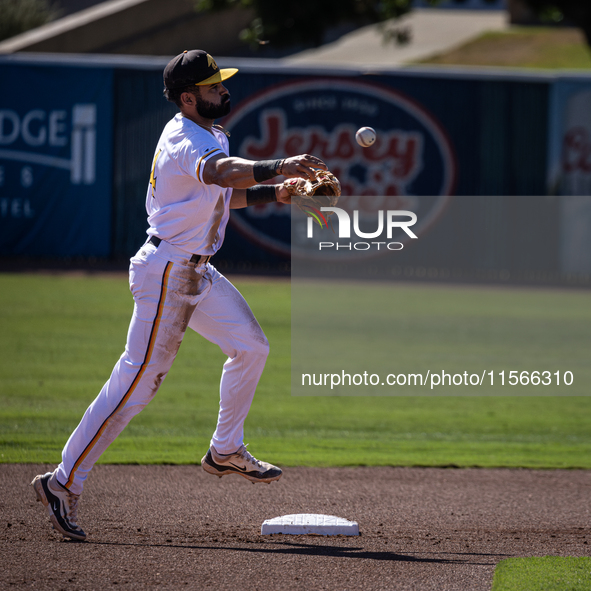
365	136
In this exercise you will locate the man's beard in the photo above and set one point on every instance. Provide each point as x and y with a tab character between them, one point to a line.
210	111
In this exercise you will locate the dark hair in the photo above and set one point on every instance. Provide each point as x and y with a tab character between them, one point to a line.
174	95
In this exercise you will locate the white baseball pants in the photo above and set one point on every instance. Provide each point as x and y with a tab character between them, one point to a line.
170	294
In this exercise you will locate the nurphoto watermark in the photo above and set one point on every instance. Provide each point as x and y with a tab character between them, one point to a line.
390	220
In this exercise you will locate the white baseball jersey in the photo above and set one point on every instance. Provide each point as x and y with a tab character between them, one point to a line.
182	209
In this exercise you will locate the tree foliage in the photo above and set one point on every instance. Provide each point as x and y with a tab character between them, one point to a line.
18	16
305	22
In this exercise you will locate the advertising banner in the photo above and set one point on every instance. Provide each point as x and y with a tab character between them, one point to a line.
412	155
569	170
438	136
55	160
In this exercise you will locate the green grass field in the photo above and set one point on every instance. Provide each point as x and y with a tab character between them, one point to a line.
63	333
546	573
521	47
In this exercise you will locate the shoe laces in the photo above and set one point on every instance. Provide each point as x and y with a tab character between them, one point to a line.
248	457
72	501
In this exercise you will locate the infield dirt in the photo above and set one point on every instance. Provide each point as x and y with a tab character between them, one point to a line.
176	527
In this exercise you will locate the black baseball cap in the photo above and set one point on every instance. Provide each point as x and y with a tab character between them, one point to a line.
194	67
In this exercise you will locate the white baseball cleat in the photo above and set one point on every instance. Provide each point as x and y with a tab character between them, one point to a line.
62	505
240	462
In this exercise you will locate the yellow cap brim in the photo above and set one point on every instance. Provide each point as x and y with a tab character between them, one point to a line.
218	76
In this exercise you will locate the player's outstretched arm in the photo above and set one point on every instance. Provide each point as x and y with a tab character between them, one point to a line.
239	173
240	197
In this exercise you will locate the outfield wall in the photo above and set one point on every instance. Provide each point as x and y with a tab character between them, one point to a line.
75	157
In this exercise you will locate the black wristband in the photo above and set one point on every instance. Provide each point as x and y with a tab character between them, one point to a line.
263	170
260	194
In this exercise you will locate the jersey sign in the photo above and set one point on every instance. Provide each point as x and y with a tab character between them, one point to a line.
411	157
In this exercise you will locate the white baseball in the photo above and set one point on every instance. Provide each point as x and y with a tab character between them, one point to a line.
365	136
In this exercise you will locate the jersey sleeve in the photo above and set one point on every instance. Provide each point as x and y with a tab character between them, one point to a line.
196	153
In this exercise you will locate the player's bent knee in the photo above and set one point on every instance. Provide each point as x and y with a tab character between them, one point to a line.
249	339
263	348
259	345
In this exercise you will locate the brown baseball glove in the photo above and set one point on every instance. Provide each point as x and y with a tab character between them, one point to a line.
310	195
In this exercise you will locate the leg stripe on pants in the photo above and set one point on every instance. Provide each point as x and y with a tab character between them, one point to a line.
145	362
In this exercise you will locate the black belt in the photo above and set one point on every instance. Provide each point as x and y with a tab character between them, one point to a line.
197	259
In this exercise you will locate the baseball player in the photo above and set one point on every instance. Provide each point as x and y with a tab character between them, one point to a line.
193	185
